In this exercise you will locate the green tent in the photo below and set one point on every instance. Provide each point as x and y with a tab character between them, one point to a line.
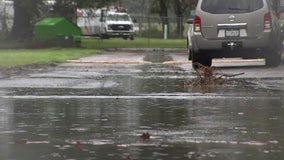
53	27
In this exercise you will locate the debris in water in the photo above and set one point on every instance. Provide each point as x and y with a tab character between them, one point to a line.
21	141
77	146
210	76
127	158
145	136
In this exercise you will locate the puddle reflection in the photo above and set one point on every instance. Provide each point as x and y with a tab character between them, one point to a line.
196	128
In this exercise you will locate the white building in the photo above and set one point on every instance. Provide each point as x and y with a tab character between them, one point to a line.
6	15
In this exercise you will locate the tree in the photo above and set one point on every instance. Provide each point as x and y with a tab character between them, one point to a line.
181	9
25	12
164	13
65	8
161	7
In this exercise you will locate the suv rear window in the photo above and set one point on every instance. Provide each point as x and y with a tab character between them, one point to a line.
231	6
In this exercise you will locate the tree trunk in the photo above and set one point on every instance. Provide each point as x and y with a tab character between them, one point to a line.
164	14
22	27
179	14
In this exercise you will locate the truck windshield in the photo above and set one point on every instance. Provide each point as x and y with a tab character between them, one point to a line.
118	17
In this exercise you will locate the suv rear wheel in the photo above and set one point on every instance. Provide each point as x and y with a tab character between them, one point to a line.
273	53
273	59
200	58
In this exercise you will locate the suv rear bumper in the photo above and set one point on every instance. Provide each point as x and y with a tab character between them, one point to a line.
200	43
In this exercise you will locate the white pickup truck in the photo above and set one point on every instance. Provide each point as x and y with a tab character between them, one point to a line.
106	23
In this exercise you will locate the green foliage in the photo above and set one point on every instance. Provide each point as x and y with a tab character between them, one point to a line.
282	35
282	28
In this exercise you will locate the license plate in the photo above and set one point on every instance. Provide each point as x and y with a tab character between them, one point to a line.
232	33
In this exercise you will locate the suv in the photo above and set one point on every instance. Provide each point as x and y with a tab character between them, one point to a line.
234	28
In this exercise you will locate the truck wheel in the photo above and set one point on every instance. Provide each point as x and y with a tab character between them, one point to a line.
200	58
132	38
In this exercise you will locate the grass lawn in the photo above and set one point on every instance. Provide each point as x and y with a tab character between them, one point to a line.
136	43
17	57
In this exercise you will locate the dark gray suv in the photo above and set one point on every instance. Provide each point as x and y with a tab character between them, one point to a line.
234	28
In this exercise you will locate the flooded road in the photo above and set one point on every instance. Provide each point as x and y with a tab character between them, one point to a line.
135	106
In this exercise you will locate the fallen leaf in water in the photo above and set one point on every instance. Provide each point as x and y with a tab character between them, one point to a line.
145	136
78	146
21	141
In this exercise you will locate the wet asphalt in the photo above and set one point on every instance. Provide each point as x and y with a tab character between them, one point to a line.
139	104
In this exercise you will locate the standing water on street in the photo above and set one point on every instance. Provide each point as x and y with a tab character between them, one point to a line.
140	111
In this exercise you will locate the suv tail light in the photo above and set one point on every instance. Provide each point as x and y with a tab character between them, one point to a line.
197	24
267	21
